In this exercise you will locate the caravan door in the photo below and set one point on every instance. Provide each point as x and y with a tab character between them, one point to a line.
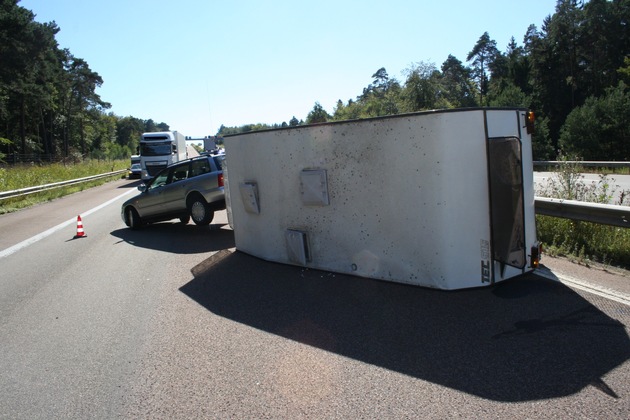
505	172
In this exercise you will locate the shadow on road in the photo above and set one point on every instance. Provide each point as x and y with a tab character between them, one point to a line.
177	238
133	183
526	339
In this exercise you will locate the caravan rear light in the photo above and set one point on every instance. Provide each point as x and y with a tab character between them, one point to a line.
536	254
529	121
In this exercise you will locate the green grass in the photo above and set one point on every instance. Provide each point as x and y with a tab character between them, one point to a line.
585	242
23	176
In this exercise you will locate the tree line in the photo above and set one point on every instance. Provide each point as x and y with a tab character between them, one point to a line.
48	99
573	72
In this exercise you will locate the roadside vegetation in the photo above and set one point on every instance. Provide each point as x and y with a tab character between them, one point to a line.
28	175
584	242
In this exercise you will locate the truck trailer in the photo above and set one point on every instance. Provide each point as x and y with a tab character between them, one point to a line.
160	149
442	199
210	144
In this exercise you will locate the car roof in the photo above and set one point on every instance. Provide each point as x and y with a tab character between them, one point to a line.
192	159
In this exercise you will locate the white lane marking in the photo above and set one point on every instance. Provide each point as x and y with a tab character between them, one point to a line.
40	236
587	287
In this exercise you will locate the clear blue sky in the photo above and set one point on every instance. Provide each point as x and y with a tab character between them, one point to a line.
197	64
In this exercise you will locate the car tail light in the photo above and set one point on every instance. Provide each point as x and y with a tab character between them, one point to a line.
220	180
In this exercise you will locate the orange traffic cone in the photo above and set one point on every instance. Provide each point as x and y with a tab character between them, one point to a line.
80	232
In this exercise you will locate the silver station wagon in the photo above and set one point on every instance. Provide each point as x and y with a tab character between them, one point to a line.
189	189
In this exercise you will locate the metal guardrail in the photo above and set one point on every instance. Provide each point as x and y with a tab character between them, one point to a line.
568	209
606	214
584	163
31	190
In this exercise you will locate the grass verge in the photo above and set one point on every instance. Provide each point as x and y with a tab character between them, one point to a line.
584	242
23	176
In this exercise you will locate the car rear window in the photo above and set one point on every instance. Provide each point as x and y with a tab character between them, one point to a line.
218	160
200	167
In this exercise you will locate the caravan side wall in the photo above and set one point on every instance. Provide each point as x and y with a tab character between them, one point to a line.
402	199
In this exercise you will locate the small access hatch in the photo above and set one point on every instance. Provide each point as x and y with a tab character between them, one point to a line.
297	246
249	195
314	187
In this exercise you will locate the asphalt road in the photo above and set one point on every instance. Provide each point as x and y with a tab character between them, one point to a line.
172	322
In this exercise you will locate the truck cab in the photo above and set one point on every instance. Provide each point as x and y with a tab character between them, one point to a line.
160	149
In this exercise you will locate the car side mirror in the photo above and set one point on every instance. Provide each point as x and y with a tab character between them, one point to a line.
142	187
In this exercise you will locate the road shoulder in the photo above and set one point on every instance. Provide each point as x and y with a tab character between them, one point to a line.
607	281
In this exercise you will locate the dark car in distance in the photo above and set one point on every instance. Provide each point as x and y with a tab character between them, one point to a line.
191	189
135	171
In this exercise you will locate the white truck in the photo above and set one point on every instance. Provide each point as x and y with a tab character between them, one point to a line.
442	199
160	149
210	144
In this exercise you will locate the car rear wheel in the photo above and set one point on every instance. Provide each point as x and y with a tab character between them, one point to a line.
133	218
200	211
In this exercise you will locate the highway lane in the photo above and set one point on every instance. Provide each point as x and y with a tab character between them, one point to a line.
76	313
170	322
617	183
71	326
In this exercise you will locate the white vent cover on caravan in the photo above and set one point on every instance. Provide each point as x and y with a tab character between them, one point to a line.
442	199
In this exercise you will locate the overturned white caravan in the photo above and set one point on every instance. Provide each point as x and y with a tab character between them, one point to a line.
442	199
